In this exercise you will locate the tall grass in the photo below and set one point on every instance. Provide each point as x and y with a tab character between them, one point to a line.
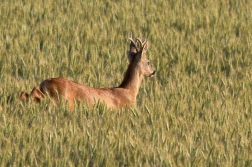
195	112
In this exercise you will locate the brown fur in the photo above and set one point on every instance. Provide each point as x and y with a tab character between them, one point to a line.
115	97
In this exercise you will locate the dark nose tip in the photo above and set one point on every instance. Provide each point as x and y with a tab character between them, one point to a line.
152	74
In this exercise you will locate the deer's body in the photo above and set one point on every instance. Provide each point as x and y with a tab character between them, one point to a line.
115	97
70	91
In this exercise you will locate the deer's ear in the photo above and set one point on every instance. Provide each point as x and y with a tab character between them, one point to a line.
131	55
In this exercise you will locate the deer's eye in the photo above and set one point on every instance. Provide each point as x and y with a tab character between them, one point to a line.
148	63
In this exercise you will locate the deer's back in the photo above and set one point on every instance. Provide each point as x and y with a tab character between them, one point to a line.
70	90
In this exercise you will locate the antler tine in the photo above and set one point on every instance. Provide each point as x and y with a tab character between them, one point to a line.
130	38
144	41
132	42
139	40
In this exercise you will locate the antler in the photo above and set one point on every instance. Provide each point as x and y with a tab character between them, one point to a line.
133	46
142	43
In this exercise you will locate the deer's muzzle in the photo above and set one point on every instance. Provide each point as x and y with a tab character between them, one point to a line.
152	74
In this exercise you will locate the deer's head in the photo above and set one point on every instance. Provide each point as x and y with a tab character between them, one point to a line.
138	57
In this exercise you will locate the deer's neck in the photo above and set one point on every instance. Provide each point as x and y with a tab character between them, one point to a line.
132	79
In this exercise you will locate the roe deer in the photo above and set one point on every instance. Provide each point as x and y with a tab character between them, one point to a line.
115	97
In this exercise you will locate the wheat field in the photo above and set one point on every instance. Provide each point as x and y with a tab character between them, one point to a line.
196	111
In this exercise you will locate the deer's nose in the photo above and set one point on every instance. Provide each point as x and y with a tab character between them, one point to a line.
152	74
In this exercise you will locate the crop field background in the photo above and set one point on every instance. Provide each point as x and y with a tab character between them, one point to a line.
196	111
